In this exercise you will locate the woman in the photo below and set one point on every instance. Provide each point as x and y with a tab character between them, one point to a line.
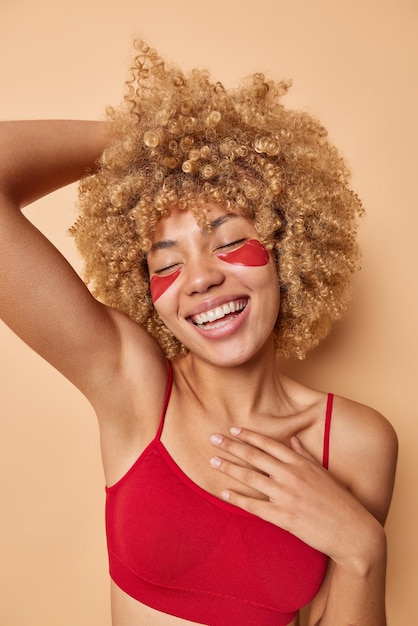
218	232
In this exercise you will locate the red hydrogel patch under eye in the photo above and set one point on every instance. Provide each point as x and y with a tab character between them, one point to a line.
160	284
252	254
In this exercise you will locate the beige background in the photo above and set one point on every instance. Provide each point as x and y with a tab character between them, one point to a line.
355	66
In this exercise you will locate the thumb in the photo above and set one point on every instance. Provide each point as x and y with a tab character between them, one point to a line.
296	446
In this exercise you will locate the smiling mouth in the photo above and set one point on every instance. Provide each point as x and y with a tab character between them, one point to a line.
220	315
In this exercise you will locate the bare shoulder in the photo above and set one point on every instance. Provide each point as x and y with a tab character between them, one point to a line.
363	453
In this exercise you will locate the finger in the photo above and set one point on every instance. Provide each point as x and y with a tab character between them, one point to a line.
259	450
251	505
296	445
268	444
250	455
246	475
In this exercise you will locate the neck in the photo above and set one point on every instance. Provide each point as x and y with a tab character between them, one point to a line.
243	391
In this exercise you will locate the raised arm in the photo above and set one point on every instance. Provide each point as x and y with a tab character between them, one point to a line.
38	157
42	298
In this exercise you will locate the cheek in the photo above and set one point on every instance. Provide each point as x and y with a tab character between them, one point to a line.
251	254
160	284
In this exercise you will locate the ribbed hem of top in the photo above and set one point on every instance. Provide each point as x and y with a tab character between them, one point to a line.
194	605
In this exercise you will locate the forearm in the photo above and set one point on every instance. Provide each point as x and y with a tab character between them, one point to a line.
356	594
37	157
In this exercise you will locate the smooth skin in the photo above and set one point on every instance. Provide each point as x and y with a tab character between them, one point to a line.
271	465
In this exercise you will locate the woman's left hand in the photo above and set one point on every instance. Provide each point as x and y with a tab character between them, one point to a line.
300	495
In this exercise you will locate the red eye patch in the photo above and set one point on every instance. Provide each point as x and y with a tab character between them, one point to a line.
160	284
252	254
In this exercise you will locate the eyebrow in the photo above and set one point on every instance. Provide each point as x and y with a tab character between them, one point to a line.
171	243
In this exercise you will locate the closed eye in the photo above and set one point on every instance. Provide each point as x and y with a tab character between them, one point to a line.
232	244
167	270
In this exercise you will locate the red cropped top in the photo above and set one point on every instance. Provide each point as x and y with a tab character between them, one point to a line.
177	548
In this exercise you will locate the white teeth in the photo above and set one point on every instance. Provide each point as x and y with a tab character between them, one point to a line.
219	312
212	315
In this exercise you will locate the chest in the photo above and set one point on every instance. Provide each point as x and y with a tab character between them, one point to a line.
165	531
186	439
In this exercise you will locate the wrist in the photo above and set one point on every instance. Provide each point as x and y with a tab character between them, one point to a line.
368	553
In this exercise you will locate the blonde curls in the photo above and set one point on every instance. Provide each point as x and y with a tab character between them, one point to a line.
182	139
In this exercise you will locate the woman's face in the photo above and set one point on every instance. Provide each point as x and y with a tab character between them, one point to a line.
216	290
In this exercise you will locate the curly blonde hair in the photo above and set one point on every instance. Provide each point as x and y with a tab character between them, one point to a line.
184	140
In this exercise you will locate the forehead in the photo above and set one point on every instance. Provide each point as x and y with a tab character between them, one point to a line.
183	222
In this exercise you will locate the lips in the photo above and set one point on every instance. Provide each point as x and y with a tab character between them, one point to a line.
219	314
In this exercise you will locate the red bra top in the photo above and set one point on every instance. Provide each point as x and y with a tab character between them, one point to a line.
175	547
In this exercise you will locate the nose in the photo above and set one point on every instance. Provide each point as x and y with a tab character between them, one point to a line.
202	274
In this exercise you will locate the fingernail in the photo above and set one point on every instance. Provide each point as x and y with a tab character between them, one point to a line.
215	461
216	439
225	495
235	431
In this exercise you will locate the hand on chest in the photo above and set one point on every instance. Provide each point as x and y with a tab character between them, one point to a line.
187	441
